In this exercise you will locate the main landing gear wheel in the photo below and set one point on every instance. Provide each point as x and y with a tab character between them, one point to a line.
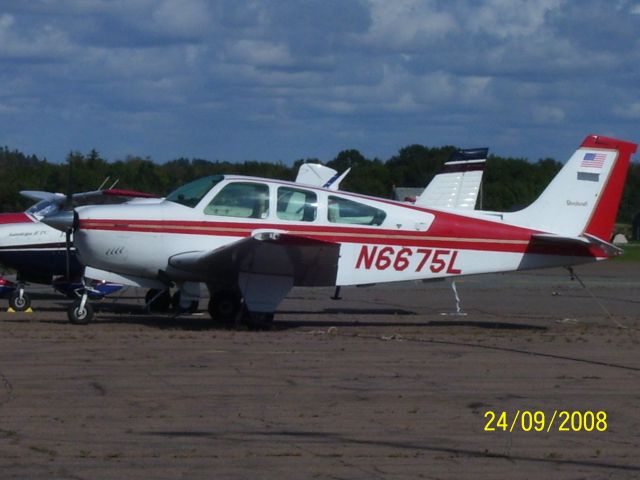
175	304
224	306
18	302
160	304
258	320
79	314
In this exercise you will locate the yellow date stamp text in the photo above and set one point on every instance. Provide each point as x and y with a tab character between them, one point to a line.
539	421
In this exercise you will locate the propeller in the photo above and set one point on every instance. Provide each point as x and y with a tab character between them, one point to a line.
65	221
67	242
67	232
68	208
69	201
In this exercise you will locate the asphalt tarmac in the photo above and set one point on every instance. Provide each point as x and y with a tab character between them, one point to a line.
388	382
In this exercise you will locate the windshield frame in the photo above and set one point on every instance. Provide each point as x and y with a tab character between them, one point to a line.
196	191
44	207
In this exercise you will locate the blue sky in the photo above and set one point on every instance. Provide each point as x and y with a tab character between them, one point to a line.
278	80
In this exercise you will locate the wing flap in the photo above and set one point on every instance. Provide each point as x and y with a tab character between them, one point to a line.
307	261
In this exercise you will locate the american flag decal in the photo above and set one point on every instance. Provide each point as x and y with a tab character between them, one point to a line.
593	160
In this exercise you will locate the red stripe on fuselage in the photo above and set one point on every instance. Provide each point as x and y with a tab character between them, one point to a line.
445	232
6	218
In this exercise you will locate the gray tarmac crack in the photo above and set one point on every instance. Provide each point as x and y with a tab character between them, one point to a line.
8	388
500	349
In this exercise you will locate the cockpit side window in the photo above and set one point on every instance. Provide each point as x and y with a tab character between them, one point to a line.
342	210
297	205
190	194
241	199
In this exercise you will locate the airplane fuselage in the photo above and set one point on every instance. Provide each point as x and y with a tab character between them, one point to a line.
379	240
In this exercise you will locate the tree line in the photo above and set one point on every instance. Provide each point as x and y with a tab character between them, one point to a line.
508	184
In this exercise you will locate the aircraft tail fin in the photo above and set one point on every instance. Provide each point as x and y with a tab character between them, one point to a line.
584	196
458	184
320	176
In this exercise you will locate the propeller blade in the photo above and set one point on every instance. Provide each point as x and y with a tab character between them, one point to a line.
68	253
69	201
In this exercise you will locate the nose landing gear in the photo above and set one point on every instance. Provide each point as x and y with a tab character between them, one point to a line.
19	300
80	312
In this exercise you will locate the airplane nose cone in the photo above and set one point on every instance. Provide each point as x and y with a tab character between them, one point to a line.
63	221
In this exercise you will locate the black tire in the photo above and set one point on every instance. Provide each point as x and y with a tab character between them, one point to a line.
160	304
175	304
258	321
224	306
80	317
17	303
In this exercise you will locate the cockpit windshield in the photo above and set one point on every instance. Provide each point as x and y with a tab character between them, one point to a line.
191	193
44	207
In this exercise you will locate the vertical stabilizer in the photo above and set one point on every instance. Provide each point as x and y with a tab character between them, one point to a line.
458	184
320	176
584	196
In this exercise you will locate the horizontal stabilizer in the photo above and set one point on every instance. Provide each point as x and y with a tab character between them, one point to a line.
609	248
583	241
334	182
467	154
552	238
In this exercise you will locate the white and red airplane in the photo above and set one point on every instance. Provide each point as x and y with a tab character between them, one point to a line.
250	240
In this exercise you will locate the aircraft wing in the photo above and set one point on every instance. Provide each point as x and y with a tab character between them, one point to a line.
306	261
39	195
265	266
56	201
110	195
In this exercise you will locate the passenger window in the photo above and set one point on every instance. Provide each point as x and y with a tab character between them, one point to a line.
244	200
341	210
296	205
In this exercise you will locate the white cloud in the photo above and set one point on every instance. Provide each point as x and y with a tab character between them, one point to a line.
407	24
630	111
259	53
26	42
547	114
182	17
510	18
6	22
7	109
